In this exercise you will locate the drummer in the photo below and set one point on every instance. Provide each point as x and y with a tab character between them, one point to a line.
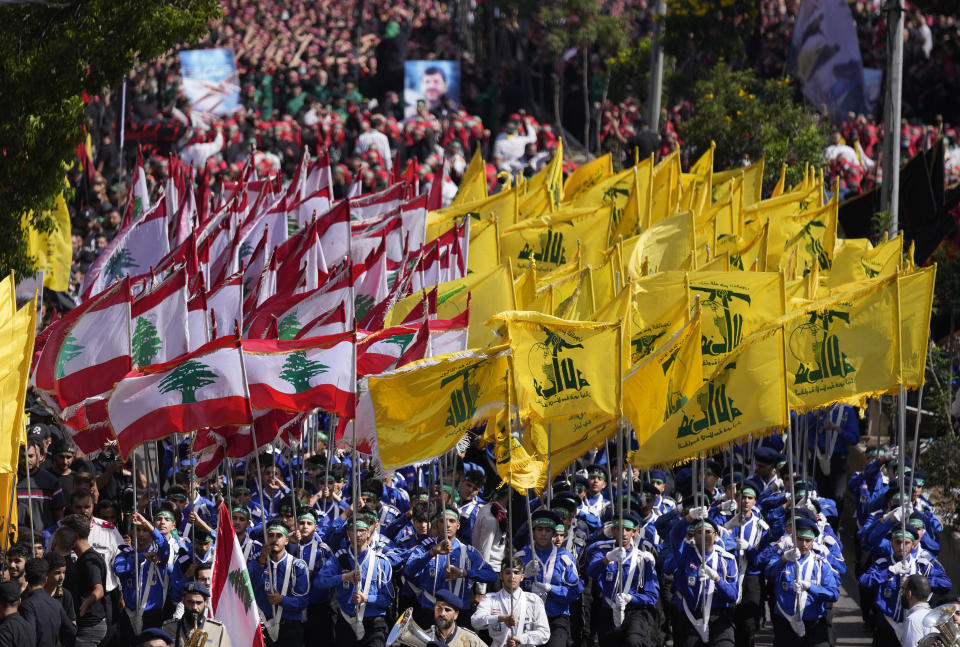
445	630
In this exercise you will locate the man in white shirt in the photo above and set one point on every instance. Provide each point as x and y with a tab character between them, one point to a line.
512	616
373	138
510	144
914	594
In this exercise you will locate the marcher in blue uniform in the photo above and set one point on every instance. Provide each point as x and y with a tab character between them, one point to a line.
364	589
629	587
306	545
803	584
470	503
551	573
152	560
766	479
706	586
663	503
240	515
750	532
443	562
281	586
594	499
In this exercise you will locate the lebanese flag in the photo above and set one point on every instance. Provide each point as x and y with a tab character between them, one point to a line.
224	305
138	203
204	388
291	312
158	322
330	323
450	335
139	246
370	281
319	175
231	594
364	425
311	207
198	324
381	350
375	204
302	374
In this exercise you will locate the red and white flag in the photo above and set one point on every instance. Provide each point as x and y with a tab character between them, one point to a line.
204	388
302	374
231	595
158	326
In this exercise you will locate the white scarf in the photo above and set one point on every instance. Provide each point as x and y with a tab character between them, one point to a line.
803	571
273	624
702	625
370	559
619	610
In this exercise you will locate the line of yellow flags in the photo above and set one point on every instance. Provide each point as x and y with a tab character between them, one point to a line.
681	304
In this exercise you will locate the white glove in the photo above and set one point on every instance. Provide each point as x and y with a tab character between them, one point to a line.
900	568
698	513
791	555
617	554
801	585
540	588
707	573
531	570
623	599
743	544
729	507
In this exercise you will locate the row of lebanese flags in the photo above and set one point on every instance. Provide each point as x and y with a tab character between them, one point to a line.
279	280
17	327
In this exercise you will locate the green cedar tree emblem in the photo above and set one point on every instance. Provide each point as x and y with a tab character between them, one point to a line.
363	304
402	341
118	263
187	378
137	207
68	351
240	583
146	342
297	370
246	249
288	326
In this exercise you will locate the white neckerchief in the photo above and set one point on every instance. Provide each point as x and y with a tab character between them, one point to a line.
619	612
146	582
803	571
370	559
702	625
313	555
461	562
748	532
247	547
595	509
546	568
273	624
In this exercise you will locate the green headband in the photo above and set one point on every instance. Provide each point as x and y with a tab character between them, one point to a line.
807	533
916	523
369	494
241	510
904	534
626	523
308	516
279	527
703	523
322	437
167	514
560	528
453	514
597	472
360	524
543	521
749	490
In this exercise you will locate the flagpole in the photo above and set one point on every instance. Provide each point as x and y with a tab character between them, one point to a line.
786	403
916	436
902	440
136	548
253	426
549	459
509	538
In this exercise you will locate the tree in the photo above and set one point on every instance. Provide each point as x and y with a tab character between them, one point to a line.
187	378
116	265
68	351
145	343
699	33
51	53
748	119
288	326
297	370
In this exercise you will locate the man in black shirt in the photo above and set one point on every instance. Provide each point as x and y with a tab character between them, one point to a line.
88	580
40	499
14	630
45	614
17	558
54	587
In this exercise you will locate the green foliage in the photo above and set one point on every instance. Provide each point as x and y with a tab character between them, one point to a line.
629	72
748	119
579	23
50	53
701	32
879	225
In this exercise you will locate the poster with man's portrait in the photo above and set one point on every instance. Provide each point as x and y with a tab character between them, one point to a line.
429	84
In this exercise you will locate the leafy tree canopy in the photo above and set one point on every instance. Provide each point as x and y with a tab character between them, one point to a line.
49	54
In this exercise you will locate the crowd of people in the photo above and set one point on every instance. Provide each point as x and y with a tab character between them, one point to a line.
703	555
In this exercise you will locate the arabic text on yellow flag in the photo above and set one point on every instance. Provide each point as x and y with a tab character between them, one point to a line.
515	465
916	300
563	440
18	331
845	348
491	291
563	367
660	307
663	382
424	408
473	184
53	252
743	398
552	240
813	233
587	175
734	305
854	262
666	245
484	253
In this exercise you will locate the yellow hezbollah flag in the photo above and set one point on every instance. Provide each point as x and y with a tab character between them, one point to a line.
552	240
424	408
604	281
587	175
515	466
473	184
8	527
484	252
752	183
566	293
561	441
502	206
745	397
8	299
662	384
491	291
628	196
734	305
525	288
916	301
563	367
856	262
18	333
845	348
812	233
748	252
550	177
53	252
695	185
666	187
666	245
619	309
661	306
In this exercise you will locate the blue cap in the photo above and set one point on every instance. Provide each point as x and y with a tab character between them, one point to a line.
197	587
451	598
658	475
806	527
767	456
154	634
